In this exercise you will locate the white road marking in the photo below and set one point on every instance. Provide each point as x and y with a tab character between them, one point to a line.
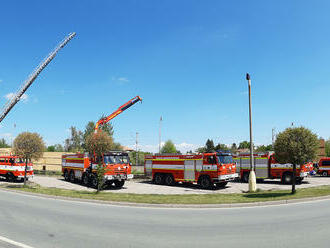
12	242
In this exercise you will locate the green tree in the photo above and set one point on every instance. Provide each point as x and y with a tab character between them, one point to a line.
29	146
90	128
168	147
296	146
244	145
51	149
327	148
209	146
98	144
233	147
3	143
221	147
58	148
201	149
75	142
263	148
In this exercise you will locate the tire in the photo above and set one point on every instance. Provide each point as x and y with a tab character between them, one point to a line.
72	178
159	179
10	177
205	182
169	180
85	179
222	184
119	184
66	175
245	177
287	178
93	181
325	173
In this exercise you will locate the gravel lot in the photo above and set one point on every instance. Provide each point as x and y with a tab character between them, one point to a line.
146	187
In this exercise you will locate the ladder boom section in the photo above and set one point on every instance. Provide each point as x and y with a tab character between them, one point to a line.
117	112
11	103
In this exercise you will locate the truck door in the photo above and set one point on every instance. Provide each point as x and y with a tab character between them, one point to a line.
148	167
189	170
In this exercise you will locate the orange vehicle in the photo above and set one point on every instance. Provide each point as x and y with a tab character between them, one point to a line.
13	168
268	168
324	167
82	167
205	169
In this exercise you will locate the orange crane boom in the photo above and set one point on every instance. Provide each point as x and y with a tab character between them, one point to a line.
122	108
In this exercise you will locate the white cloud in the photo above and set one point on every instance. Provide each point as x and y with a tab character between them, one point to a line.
10	95
123	79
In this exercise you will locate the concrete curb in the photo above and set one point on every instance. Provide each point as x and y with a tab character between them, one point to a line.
196	206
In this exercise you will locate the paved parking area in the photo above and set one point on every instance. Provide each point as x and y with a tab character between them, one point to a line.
146	187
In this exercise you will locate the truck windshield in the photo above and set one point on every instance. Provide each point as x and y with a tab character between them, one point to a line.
111	159
225	159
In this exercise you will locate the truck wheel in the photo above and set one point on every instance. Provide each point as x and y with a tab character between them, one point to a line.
325	173
287	178
66	175
85	179
222	184
10	177
159	179
205	182
72	178
119	184
169	180
93	181
245	177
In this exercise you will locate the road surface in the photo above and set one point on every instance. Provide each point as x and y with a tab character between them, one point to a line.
43	222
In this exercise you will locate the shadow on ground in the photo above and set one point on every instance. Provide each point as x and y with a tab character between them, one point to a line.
266	195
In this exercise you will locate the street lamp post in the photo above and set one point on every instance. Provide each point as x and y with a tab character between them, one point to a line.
252	176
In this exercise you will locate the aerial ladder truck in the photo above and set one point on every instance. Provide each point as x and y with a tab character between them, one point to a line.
83	167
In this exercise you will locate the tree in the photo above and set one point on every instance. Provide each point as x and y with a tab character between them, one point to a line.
209	146
3	143
221	147
29	146
168	147
244	145
233	147
58	148
75	141
296	146
97	144
327	148
51	149
264	148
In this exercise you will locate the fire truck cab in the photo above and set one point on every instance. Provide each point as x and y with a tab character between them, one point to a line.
324	167
13	168
205	169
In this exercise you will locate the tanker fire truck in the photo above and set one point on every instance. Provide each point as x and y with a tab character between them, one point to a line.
206	169
83	167
13	168
324	167
268	168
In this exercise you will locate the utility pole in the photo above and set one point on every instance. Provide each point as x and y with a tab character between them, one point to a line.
136	149
160	133
252	176
273	136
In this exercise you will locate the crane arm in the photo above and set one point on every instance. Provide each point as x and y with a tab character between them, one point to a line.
117	112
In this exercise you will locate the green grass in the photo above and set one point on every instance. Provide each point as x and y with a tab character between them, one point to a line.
260	196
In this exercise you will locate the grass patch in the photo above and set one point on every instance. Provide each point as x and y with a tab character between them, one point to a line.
261	196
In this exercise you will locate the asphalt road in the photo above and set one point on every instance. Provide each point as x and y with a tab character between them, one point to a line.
43	222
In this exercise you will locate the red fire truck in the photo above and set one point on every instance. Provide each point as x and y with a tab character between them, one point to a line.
13	168
206	169
324	167
268	168
82	167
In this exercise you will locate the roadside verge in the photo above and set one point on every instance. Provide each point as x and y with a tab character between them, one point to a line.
261	198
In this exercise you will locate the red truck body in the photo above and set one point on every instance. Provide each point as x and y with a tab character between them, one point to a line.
268	168
13	168
324	166
206	169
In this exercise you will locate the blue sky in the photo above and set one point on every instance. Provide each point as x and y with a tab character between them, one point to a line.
186	59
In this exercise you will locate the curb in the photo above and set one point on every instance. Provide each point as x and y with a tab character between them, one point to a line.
182	206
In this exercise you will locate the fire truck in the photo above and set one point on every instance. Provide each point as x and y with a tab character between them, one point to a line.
266	167
13	168
324	167
206	169
81	167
